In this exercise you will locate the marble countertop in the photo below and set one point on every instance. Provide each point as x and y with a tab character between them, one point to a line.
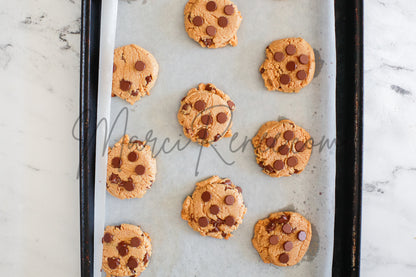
39	72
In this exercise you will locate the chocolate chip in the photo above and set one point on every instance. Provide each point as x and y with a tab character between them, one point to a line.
113	262
214	209
240	190
270	142
292	161
132	263
185	106
301	75
273	240
114	178
284	79
278	56
288	135
211	6
140	66
198	21
223	21
301	235
278	165
283	150
231	104
271	226
208	42
135	242
116	162
287	229
217	137
199	105
114	67
284	258
135	93
203	221
202	134
222	117
269	168
299	146
211	31
287	246
122	248
229	200
206	196
282	219
206	119
291	49
148	79
140	169
108	237
229	220
303	59
262	70
227	182
128	185
146	258
291	66
133	156
125	85
229	9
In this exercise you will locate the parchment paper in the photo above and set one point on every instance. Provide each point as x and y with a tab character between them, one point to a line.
158	26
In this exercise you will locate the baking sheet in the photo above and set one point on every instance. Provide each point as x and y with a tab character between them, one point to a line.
178	250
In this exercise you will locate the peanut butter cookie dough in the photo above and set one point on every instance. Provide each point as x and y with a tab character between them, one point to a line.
135	72
289	65
126	250
206	114
282	148
131	169
283	238
215	209
212	24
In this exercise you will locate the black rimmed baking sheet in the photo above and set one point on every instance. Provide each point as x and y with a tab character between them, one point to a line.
349	133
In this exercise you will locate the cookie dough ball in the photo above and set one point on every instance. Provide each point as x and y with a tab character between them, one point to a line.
283	238
206	114
126	250
282	148
212	24
289	65
215	209
131	169
135	72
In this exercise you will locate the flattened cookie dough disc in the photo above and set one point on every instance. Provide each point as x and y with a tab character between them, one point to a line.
131	169
283	238
215	209
135	72
212	24
282	148
126	250
289	65
206	114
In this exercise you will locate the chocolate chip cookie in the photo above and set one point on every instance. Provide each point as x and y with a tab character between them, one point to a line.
212	24
126	250
282	148
215	209
283	238
206	114
135	72
289	65
131	169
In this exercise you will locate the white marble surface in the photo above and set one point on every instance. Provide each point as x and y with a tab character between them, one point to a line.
39	73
